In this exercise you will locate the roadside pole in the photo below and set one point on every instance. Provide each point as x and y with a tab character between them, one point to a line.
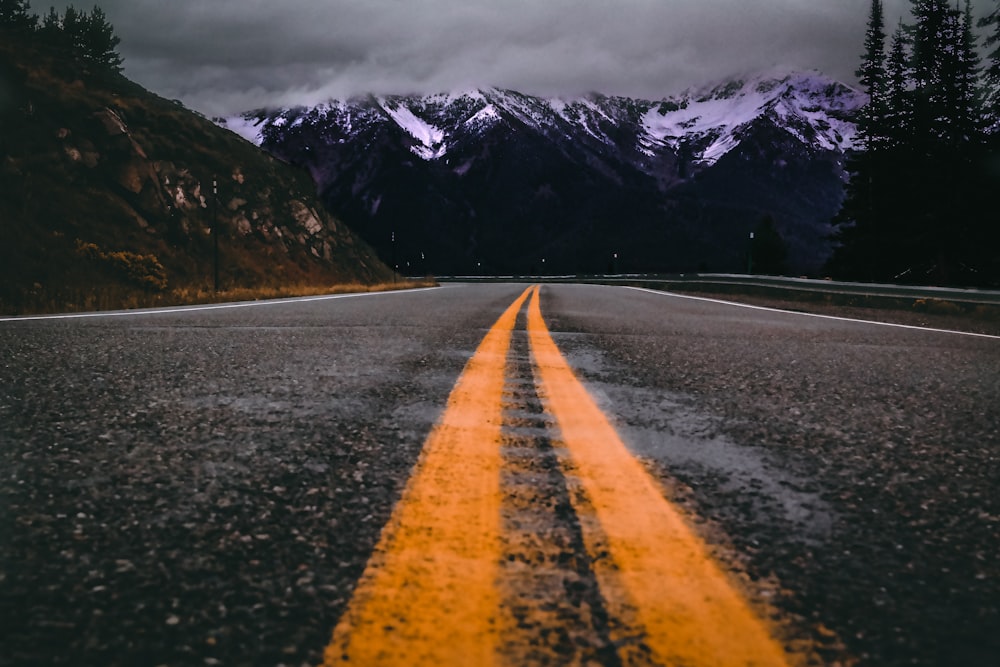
215	230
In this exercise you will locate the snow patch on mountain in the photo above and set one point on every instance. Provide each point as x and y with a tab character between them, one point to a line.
811	107
432	145
487	115
248	127
700	125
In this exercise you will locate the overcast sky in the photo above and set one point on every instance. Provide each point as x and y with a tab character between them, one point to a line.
226	56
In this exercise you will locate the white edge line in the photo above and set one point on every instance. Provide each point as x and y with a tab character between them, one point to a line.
824	317
214	306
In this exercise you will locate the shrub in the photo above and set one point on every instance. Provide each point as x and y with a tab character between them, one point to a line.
937	307
142	270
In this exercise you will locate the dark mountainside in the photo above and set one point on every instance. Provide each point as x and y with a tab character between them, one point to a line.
496	182
106	196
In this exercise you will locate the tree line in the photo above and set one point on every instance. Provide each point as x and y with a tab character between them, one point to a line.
88	36
921	201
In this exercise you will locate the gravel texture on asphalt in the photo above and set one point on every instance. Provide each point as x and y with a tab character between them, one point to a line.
849	470
925	313
205	487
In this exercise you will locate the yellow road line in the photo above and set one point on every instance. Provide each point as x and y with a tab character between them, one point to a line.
656	573
428	595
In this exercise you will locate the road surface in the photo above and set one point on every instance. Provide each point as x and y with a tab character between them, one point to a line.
261	484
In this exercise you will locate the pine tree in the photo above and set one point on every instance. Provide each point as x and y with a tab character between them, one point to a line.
945	72
51	31
50	22
992	71
929	36
72	28
99	42
919	209
872	77
968	96
903	170
860	220
87	37
16	14
899	116
944	117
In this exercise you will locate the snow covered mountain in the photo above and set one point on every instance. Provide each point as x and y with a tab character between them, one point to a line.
712	121
500	179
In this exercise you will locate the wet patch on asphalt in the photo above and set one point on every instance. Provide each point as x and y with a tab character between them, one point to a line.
887	437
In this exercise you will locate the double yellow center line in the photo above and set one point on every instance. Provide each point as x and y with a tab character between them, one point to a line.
428	595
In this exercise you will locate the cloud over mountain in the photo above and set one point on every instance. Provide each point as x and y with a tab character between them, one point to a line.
229	55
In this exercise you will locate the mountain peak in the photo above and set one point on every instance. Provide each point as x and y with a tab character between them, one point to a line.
708	120
505	178
704	122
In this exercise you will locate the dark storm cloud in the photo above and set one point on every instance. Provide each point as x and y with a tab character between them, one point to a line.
222	56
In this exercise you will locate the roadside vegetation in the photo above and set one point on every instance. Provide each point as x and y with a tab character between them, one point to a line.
921	202
113	197
84	36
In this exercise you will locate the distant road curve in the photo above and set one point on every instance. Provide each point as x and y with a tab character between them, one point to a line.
808	285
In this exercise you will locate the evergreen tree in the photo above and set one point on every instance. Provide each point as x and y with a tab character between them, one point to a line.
87	37
898	116
917	206
72	28
903	172
992	71
929	35
17	14
861	219
99	42
51	21
946	139
872	77
962	73
51	31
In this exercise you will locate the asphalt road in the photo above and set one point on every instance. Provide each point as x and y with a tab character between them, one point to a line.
206	486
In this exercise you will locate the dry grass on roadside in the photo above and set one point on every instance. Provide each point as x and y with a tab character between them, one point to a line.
117	297
202	295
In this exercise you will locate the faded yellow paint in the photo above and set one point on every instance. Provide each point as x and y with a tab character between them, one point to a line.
428	594
657	577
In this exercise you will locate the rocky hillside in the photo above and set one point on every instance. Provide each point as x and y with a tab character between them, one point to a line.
106	197
496	181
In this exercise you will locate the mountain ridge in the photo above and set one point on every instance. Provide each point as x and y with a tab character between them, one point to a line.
458	151
677	112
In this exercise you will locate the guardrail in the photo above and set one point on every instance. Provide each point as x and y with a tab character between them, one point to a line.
762	285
